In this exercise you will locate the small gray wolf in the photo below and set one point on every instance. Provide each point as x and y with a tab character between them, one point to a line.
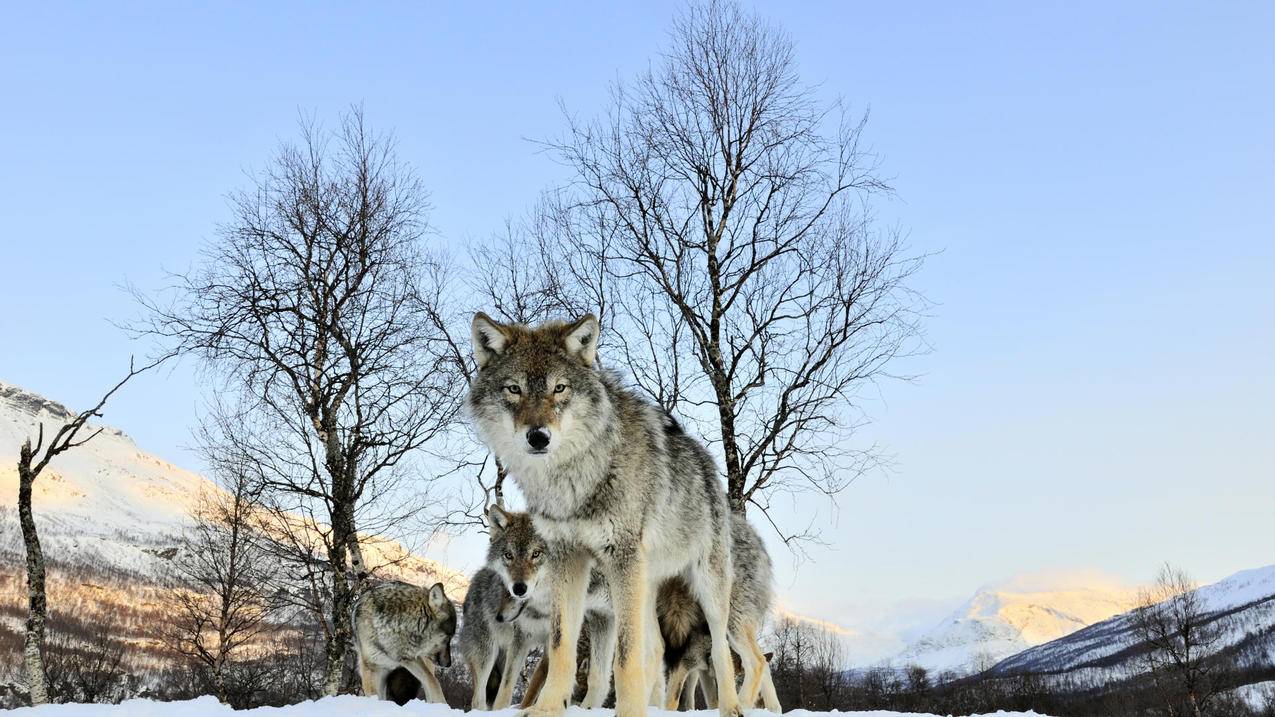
490	639
506	616
686	637
609	478
402	625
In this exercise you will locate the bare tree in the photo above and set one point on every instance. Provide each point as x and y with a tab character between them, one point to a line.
87	665
316	304
222	600
32	460
1180	636
724	211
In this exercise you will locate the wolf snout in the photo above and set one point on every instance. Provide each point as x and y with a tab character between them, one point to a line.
518	589
538	438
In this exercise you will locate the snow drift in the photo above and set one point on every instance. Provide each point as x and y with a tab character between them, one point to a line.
348	706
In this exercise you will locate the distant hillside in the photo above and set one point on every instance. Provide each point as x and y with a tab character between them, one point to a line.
1005	618
110	517
1110	650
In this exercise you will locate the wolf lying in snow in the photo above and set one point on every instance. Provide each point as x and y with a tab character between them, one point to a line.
401	625
610	479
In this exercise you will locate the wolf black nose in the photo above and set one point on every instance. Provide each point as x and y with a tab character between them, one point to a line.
538	438
519	589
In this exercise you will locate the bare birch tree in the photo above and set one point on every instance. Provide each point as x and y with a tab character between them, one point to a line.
726	211
223	598
315	306
1180	636
32	460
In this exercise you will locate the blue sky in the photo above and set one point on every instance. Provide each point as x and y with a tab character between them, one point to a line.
1095	179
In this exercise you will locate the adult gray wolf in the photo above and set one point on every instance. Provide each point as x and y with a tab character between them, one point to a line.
402	625
686	637
611	479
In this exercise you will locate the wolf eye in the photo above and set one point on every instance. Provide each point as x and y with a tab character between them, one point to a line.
509	555
535	554
560	388
514	389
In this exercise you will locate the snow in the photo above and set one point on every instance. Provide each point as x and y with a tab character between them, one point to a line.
348	706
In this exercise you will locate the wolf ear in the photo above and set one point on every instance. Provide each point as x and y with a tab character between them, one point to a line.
490	338
582	339
437	598
498	517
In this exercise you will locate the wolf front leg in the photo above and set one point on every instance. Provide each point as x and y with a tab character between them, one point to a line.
515	658
423	670
630	593
601	653
480	667
369	677
570	568
677	680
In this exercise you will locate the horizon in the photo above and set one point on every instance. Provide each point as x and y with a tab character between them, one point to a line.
1096	214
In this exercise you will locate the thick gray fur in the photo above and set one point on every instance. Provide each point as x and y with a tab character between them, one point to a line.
617	483
402	625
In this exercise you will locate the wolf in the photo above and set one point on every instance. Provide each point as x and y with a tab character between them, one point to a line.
506	616
609	479
686	637
490	643
402	625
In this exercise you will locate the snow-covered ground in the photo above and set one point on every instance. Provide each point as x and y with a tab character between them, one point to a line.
352	707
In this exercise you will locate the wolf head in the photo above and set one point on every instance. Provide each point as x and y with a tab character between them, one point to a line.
442	614
517	552
537	394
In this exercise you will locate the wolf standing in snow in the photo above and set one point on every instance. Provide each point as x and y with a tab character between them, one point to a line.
497	599
401	625
507	613
609	478
686	638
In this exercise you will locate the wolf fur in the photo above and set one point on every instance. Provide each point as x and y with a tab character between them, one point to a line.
609	478
685	633
402	625
507	613
490	642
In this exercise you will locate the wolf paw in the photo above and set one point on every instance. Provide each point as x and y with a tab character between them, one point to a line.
731	711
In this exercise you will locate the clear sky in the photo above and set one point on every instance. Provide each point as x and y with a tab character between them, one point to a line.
1097	180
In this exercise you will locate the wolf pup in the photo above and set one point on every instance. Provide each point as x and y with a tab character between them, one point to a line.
506	616
401	625
498	596
686	639
609	478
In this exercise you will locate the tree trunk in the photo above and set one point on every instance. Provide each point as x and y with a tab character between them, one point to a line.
334	675
37	604
344	548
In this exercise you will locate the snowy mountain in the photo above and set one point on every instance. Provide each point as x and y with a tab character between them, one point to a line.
110	517
1005	618
1108	650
